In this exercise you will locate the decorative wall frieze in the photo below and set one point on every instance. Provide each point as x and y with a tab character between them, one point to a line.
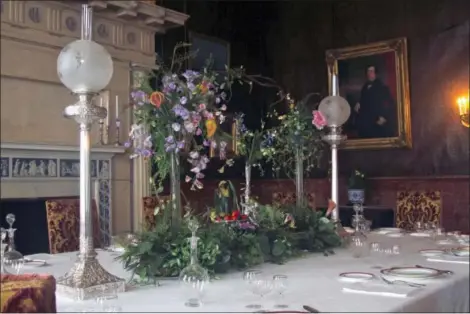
35	170
20	161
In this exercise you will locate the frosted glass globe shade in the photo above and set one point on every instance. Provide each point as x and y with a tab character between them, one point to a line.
84	66
335	109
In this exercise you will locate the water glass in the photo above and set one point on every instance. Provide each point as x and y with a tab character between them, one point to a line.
279	287
249	277
108	303
261	287
419	226
440	234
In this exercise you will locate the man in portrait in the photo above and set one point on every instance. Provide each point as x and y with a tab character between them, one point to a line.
375	110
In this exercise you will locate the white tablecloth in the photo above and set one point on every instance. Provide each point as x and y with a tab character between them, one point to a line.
313	280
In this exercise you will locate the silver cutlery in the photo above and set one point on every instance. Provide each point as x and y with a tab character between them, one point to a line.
410	284
441	271
310	309
36	261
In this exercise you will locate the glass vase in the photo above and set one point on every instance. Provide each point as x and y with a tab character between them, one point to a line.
299	176
247	183
194	278
175	191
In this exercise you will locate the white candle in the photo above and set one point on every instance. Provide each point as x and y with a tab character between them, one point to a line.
101	102
117	107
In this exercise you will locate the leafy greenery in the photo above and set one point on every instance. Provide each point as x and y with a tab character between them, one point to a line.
277	237
314	232
295	130
357	180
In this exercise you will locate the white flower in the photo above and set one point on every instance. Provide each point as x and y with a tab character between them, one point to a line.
176	127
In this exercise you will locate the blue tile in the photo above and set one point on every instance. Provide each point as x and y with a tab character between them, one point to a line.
70	168
104	169
34	167
5	167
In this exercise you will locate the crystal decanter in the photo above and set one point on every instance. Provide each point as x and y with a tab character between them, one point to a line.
194	278
358	244
3	248
12	260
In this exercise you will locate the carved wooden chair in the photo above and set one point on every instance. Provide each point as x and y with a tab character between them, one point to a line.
148	214
418	206
30	293
63	225
289	198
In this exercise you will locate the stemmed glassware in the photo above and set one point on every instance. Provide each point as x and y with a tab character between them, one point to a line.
279	287
250	277
108	303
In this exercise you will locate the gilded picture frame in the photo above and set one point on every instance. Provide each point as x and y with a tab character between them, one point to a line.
366	128
231	149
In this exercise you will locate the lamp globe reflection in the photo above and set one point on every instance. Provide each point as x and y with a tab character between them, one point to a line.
84	66
335	109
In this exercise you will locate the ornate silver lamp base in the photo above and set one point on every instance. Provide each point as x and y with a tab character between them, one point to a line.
88	279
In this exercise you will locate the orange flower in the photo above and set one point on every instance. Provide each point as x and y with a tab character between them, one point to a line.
204	87
211	127
156	99
331	207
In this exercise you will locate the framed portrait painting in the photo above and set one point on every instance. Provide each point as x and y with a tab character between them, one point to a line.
373	78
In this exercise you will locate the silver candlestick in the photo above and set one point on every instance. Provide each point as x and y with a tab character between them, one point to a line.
86	68
118	129
336	111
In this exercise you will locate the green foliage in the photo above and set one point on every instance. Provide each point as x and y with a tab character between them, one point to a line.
294	131
161	253
357	180
315	233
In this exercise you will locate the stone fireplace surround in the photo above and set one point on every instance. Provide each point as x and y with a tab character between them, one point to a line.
35	171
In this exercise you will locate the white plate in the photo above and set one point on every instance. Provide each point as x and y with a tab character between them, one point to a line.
394	234
355	277
460	252
349	230
420	234
386	230
411	272
431	253
445	242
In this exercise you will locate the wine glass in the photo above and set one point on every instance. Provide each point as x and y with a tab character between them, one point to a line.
108	303
279	287
250	276
261	287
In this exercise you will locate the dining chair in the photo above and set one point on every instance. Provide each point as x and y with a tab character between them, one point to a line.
148	210
30	293
418	206
63	225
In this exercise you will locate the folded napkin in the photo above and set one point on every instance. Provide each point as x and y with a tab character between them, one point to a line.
381	289
449	259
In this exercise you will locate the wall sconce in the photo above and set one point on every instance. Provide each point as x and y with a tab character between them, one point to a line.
463	104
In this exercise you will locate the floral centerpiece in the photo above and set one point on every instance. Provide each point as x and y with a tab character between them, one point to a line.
295	142
181	115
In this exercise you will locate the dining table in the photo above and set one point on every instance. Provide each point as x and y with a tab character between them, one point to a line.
313	280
